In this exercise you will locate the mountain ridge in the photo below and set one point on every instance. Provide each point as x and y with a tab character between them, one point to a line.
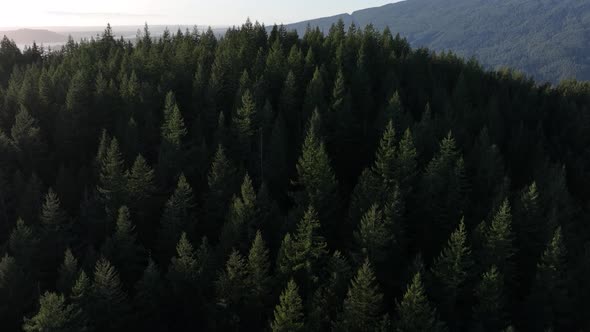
543	38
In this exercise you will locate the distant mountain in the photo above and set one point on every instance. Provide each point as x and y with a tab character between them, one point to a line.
28	36
548	39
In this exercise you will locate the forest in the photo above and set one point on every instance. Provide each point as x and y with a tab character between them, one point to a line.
265	181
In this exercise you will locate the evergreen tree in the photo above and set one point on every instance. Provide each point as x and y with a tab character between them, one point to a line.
245	127
68	273
112	180
171	154
23	245
288	314
184	267
550	302
176	217
498	248
302	254
385	160
362	306
488	313
239	228
317	180
222	179
109	302
122	248
258	266
415	312
231	288
54	315
374	237
451	271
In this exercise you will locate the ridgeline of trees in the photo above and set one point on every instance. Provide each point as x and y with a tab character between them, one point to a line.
266	182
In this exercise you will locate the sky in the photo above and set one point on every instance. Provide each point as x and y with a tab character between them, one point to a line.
44	13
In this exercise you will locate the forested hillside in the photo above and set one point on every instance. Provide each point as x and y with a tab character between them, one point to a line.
266	182
547	39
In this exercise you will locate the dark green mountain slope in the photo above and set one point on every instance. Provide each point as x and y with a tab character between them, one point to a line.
544	38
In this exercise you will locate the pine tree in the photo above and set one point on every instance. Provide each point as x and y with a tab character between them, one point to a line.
415	312
385	159
123	249
81	298
140	191
245	126
222	179
288	314
68	273
488	313
231	288
239	228
184	267
550	302
176	217
362	306
451	271
171	154
303	253
54	315
317	180
498	247
374	236
406	167
55	237
109	302
363	196
23	245
258	270
112	180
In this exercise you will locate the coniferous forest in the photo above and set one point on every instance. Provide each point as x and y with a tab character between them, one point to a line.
265	181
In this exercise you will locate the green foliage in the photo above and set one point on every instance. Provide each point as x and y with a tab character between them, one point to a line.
305	251
414	310
362	306
288	314
109	302
489	314
359	122
54	315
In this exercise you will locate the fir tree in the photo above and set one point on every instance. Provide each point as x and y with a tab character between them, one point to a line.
109	302
112	180
54	315
385	160
374	236
415	312
362	306
171	157
68	273
316	179
550	302
451	271
288	314
123	249
23	245
176	217
303	253
498	247
488	313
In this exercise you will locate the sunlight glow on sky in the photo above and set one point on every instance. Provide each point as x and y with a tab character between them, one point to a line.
43	13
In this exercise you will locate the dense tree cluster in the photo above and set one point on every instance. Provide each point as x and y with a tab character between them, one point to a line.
266	182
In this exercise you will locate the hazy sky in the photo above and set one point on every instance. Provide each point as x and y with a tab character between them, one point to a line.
30	13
